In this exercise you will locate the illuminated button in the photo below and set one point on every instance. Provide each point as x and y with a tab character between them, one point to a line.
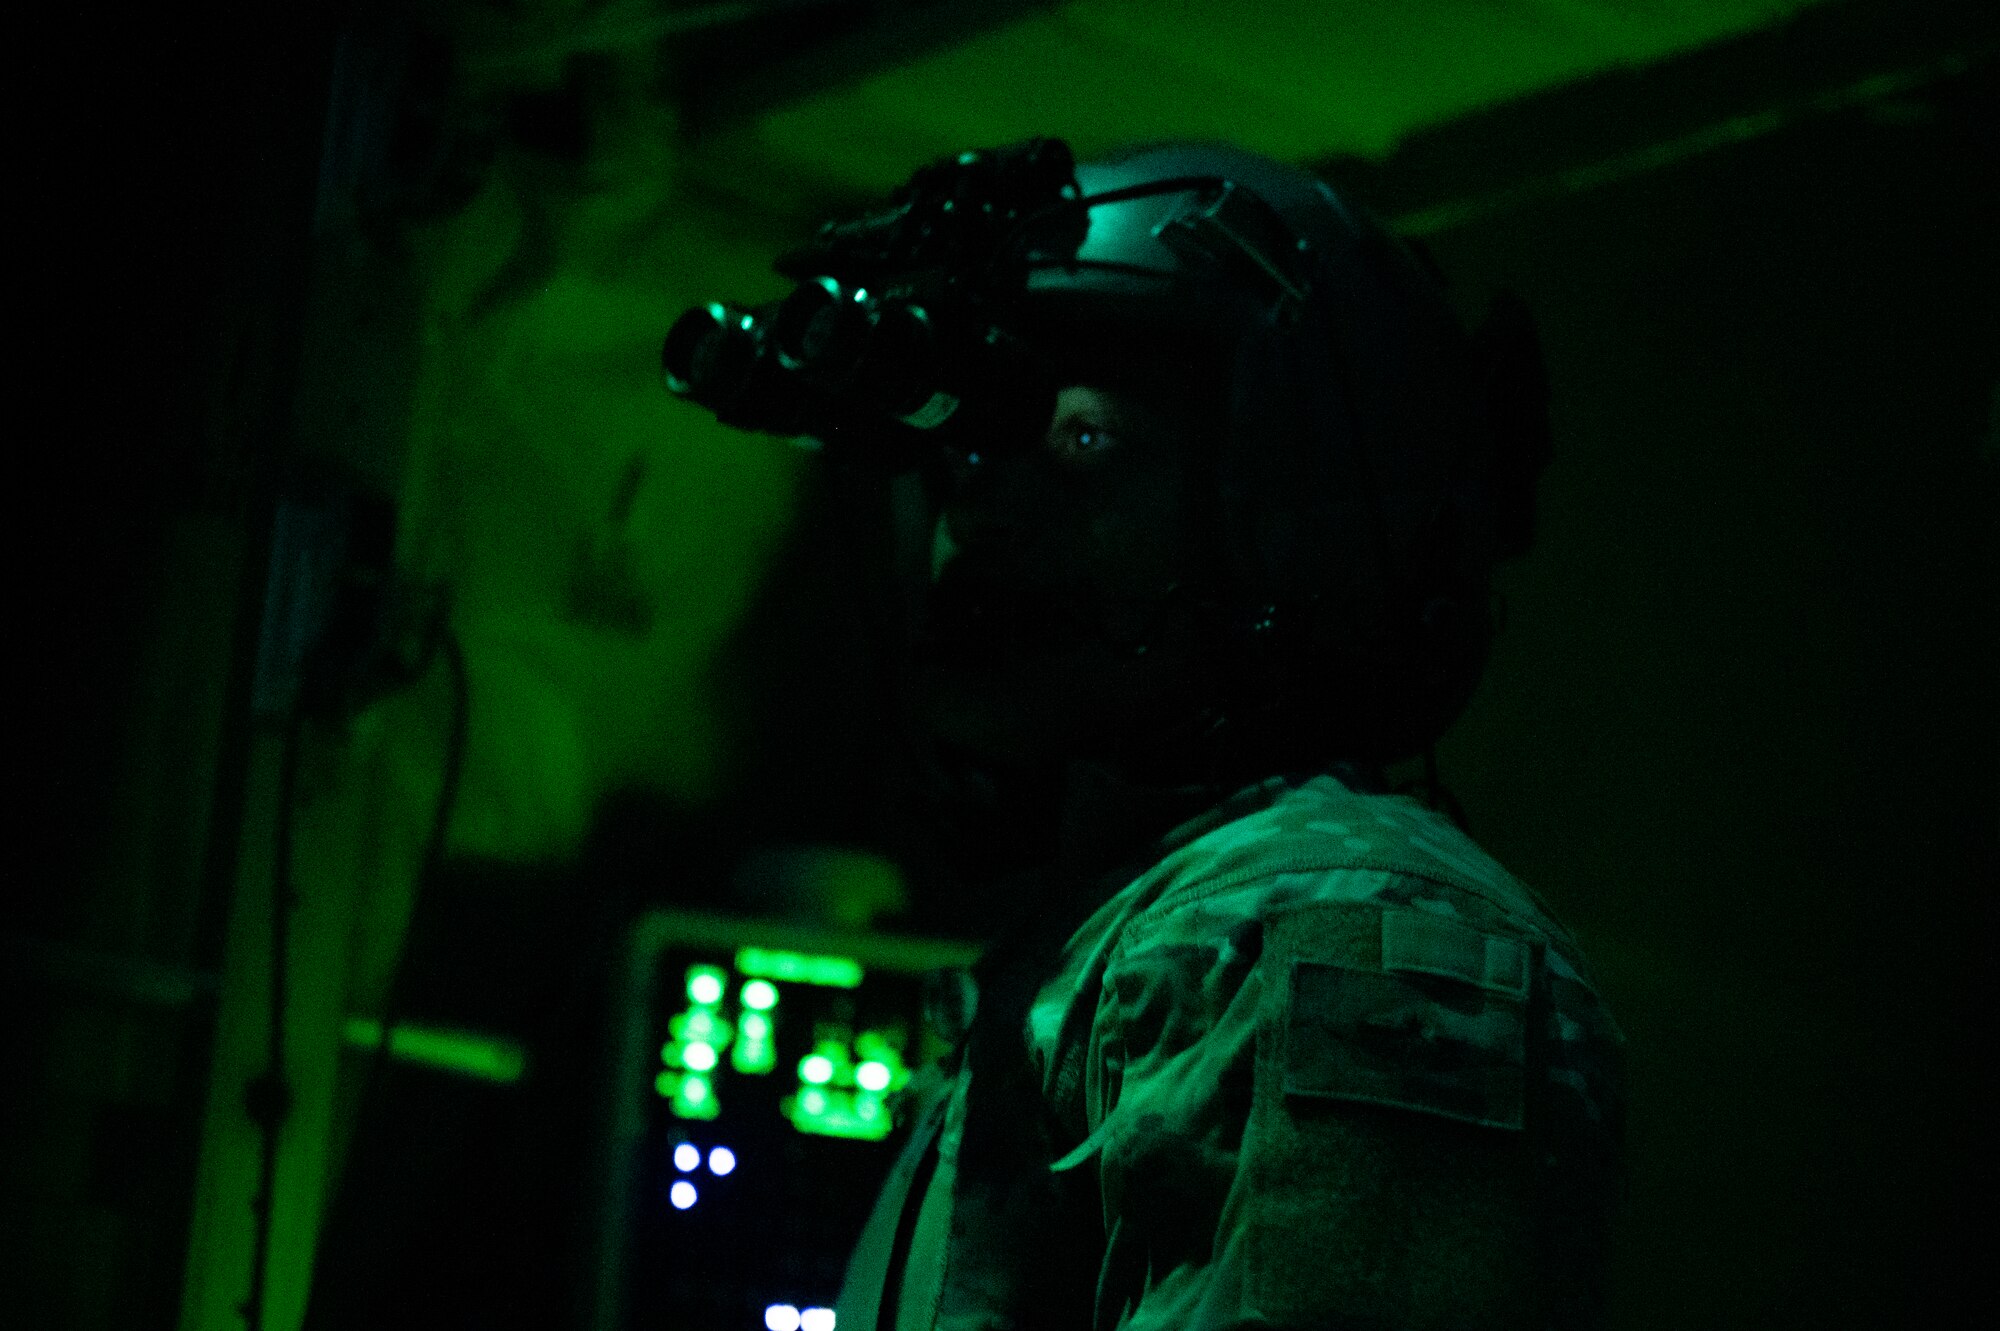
816	1319
756	1027
870	1076
695	1097
866	1108
782	1317
720	1160
799	968
701	1057
681	1195
816	1068
687	1156
813	1102
754	1056
704	984
760	996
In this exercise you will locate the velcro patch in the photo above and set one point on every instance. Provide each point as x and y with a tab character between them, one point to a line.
1448	1047
1416	940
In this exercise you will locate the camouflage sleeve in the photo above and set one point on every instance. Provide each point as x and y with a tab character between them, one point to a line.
1346	1102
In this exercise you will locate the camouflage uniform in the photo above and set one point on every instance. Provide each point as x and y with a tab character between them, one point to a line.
1324	1064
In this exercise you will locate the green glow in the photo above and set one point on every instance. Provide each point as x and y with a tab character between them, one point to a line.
839	1114
758	996
692	1095
816	1068
754	1053
755	1057
482	1056
704	985
883	1050
699	1057
701	1024
799	967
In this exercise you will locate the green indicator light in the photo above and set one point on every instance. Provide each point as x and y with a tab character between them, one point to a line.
704	985
870	1076
695	1098
839	1114
816	1069
756	1026
700	1024
668	1084
798	967
754	1056
884	1046
700	1057
469	1055
758	996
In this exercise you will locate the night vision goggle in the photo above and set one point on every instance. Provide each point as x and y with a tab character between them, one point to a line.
906	328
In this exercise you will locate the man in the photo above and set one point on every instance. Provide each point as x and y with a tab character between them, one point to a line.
1271	1046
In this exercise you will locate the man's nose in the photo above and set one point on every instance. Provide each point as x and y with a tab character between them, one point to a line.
980	499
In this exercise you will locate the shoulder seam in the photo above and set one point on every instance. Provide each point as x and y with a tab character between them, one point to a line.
1198	890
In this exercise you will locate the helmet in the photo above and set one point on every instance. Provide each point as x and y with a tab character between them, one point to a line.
1376	460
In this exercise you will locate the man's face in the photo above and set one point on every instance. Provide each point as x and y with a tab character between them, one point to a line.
1059	615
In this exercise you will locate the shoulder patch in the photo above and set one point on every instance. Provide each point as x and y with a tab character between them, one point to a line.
1406	1009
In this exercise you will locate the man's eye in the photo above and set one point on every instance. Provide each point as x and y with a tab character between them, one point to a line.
1081	440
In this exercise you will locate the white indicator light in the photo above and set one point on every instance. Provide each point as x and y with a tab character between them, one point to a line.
705	988
782	1317
701	1057
681	1195
687	1157
816	1068
816	1319
870	1076
760	995
721	1160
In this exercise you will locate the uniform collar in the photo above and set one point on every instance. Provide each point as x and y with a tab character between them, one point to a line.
1107	819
